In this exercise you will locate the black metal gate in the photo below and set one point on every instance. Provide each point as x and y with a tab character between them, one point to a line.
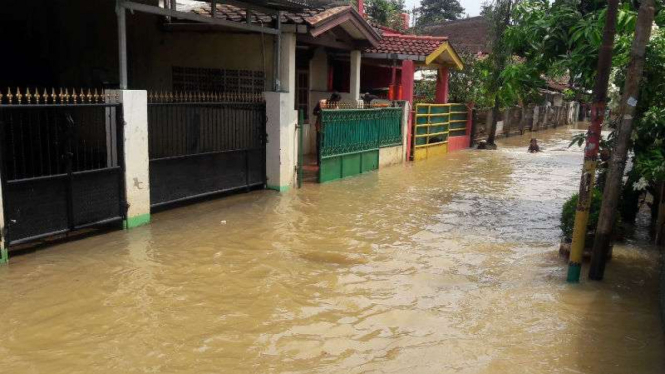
204	144
62	166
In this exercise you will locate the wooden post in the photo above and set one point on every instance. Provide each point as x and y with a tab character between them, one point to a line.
613	184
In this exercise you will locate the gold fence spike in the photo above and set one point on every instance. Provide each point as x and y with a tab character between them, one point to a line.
116	96
19	96
28	95
74	96
53	95
10	97
61	96
1	97
89	96
37	97
95	96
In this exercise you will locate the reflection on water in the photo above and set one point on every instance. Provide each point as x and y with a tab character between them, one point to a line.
443	266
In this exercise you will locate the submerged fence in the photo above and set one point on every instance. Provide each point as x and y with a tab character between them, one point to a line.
351	139
435	125
62	162
204	143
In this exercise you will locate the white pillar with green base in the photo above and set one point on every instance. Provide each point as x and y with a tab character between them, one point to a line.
137	162
282	118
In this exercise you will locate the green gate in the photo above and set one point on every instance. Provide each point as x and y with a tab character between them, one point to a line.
351	138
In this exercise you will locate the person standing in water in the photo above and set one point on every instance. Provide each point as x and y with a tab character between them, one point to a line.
533	146
332	103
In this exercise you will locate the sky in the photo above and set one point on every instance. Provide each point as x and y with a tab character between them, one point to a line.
472	6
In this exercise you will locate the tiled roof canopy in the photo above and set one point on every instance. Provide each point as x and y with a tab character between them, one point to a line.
317	20
236	14
470	35
416	45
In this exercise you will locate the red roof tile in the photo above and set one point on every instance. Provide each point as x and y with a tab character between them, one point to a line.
236	14
418	45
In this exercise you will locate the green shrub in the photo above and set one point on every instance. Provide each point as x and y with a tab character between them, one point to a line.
568	213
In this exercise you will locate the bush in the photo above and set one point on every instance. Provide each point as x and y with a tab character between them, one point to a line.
568	213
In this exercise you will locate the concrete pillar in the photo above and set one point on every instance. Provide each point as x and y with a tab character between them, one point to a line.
137	162
354	87
408	70
282	145
442	86
406	115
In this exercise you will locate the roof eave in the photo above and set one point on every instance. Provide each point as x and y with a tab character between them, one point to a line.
348	15
445	48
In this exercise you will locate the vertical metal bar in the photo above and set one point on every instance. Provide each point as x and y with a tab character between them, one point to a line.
119	149
3	180
122	44
68	168
109	136
301	120
24	172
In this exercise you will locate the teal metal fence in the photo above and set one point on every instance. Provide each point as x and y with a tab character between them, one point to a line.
351	138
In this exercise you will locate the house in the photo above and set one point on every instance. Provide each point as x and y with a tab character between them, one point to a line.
119	107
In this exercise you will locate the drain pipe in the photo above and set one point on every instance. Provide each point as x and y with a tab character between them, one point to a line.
299	127
122	45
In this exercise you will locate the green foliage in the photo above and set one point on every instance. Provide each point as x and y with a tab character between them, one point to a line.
629	200
471	85
565	37
568	213
521	81
437	11
498	14
386	13
425	90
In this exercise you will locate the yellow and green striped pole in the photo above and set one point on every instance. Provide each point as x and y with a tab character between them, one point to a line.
593	142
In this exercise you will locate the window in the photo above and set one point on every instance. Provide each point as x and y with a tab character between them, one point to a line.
217	80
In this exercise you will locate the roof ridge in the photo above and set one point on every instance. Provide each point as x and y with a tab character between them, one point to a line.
423	37
452	21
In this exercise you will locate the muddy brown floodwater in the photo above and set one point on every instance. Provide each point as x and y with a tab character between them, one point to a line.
441	266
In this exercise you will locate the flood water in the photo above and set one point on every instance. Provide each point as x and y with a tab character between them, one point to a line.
442	266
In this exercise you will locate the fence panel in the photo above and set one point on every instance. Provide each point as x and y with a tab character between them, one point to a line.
434	125
62	165
351	138
200	148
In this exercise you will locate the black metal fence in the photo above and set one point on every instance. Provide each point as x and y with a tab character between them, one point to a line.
206	147
62	167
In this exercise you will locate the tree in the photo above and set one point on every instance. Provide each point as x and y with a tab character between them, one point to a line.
593	142
498	13
436	11
386	12
470	85
618	161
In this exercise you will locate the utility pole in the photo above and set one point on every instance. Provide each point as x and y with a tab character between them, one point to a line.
631	91
593	142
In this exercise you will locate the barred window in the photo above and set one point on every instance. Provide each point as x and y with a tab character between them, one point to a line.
218	80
